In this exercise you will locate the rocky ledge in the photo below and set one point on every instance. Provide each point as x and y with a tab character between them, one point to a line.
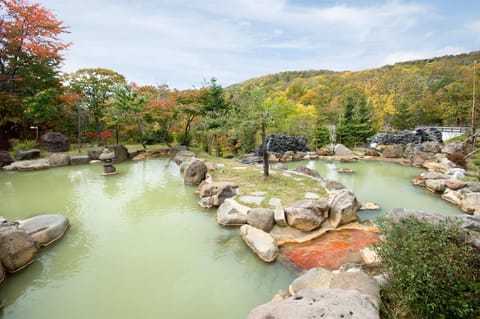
21	240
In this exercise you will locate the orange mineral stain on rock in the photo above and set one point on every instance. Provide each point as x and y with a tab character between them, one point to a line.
330	250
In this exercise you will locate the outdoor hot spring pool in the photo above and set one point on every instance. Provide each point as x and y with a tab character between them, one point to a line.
139	246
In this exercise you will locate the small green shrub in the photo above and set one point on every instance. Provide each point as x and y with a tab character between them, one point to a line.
435	274
18	145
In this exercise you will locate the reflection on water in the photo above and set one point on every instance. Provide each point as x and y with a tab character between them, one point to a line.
386	184
138	246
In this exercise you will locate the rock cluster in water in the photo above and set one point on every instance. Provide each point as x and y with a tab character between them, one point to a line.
417	136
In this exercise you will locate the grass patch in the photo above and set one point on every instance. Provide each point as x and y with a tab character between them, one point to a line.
288	186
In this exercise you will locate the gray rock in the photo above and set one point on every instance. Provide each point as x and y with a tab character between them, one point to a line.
343	208
453	197
307	171
434	175
17	248
332	185
320	303
79	159
435	186
195	173
59	159
121	153
454	147
342	150
32	165
417	136
106	154
261	218
392	151
474	186
94	154
315	278
45	229
279	216
260	242
471	203
231	213
358	281
55	142
183	156
431	147
27	155
419	158
455	184
5	159
307	215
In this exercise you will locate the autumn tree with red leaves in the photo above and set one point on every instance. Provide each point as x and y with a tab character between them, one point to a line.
30	53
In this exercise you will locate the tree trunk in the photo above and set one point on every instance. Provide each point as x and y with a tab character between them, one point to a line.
264	150
217	146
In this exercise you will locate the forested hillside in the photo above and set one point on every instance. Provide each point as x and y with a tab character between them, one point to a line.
431	91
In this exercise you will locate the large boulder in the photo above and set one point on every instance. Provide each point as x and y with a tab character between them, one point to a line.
431	147
231	213
195	173
315	278
55	142
358	281
435	185
17	248
392	151
45	229
471	203
308	214
343	208
261	218
215	193
59	159
27	155
262	243
320	303
183	156
454	147
32	165
342	150
121	153
5	159
307	171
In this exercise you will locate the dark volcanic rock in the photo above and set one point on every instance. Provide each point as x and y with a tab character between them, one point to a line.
417	136
5	158
55	142
27	155
283	143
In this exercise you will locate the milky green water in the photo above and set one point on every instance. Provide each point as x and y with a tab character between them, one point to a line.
387	184
138	247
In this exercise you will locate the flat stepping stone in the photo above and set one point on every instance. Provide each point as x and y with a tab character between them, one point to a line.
258	193
309	195
257	200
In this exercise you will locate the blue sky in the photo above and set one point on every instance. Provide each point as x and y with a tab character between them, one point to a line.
185	42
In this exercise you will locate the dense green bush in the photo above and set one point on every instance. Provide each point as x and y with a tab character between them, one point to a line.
435	274
18	145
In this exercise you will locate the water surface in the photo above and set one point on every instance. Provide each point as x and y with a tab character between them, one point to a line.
139	246
387	184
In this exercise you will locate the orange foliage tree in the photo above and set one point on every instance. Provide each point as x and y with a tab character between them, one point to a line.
29	32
